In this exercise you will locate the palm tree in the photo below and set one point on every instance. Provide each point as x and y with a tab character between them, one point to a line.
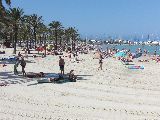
25	31
29	29
34	20
71	34
42	31
55	26
60	35
2	8
6	33
15	18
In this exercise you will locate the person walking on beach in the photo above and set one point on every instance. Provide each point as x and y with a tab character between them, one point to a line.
15	66
61	65
155	53
23	64
100	62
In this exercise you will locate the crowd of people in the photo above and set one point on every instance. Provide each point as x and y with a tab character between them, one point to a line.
83	49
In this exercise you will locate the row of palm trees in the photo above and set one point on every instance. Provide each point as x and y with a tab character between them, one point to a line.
16	27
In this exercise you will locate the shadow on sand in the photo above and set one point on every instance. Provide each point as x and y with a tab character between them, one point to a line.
63	80
10	78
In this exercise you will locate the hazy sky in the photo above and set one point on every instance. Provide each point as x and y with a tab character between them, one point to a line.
93	17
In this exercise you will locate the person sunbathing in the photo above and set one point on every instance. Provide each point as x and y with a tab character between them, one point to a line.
143	60
4	84
35	75
2	52
72	77
3	65
126	60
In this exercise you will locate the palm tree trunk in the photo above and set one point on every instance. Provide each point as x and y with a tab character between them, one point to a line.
35	38
11	38
30	44
73	45
45	46
27	42
56	37
27	38
15	39
40	39
60	42
20	42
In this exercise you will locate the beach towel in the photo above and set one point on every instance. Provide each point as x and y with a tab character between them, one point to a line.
135	67
9	58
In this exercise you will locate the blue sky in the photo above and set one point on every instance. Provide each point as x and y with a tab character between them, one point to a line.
98	17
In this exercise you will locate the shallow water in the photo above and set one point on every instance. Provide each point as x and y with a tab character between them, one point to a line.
133	48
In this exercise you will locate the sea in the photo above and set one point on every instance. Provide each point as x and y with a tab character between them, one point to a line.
150	48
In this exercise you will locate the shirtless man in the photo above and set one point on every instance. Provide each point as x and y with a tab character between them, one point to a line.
61	65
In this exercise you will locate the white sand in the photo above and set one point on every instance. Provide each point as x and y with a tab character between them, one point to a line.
115	93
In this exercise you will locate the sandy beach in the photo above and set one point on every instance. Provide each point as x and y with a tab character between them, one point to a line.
114	93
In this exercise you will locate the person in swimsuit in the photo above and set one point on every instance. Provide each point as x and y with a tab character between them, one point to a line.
61	65
23	64
100	62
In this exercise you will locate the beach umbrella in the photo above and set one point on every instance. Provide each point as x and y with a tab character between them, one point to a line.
120	54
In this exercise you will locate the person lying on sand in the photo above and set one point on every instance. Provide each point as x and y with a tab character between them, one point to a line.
126	60
3	65
143	60
4	84
2	52
46	79
35	75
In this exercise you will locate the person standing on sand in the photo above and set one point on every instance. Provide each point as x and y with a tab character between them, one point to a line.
100	62
61	65
23	64
15	66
